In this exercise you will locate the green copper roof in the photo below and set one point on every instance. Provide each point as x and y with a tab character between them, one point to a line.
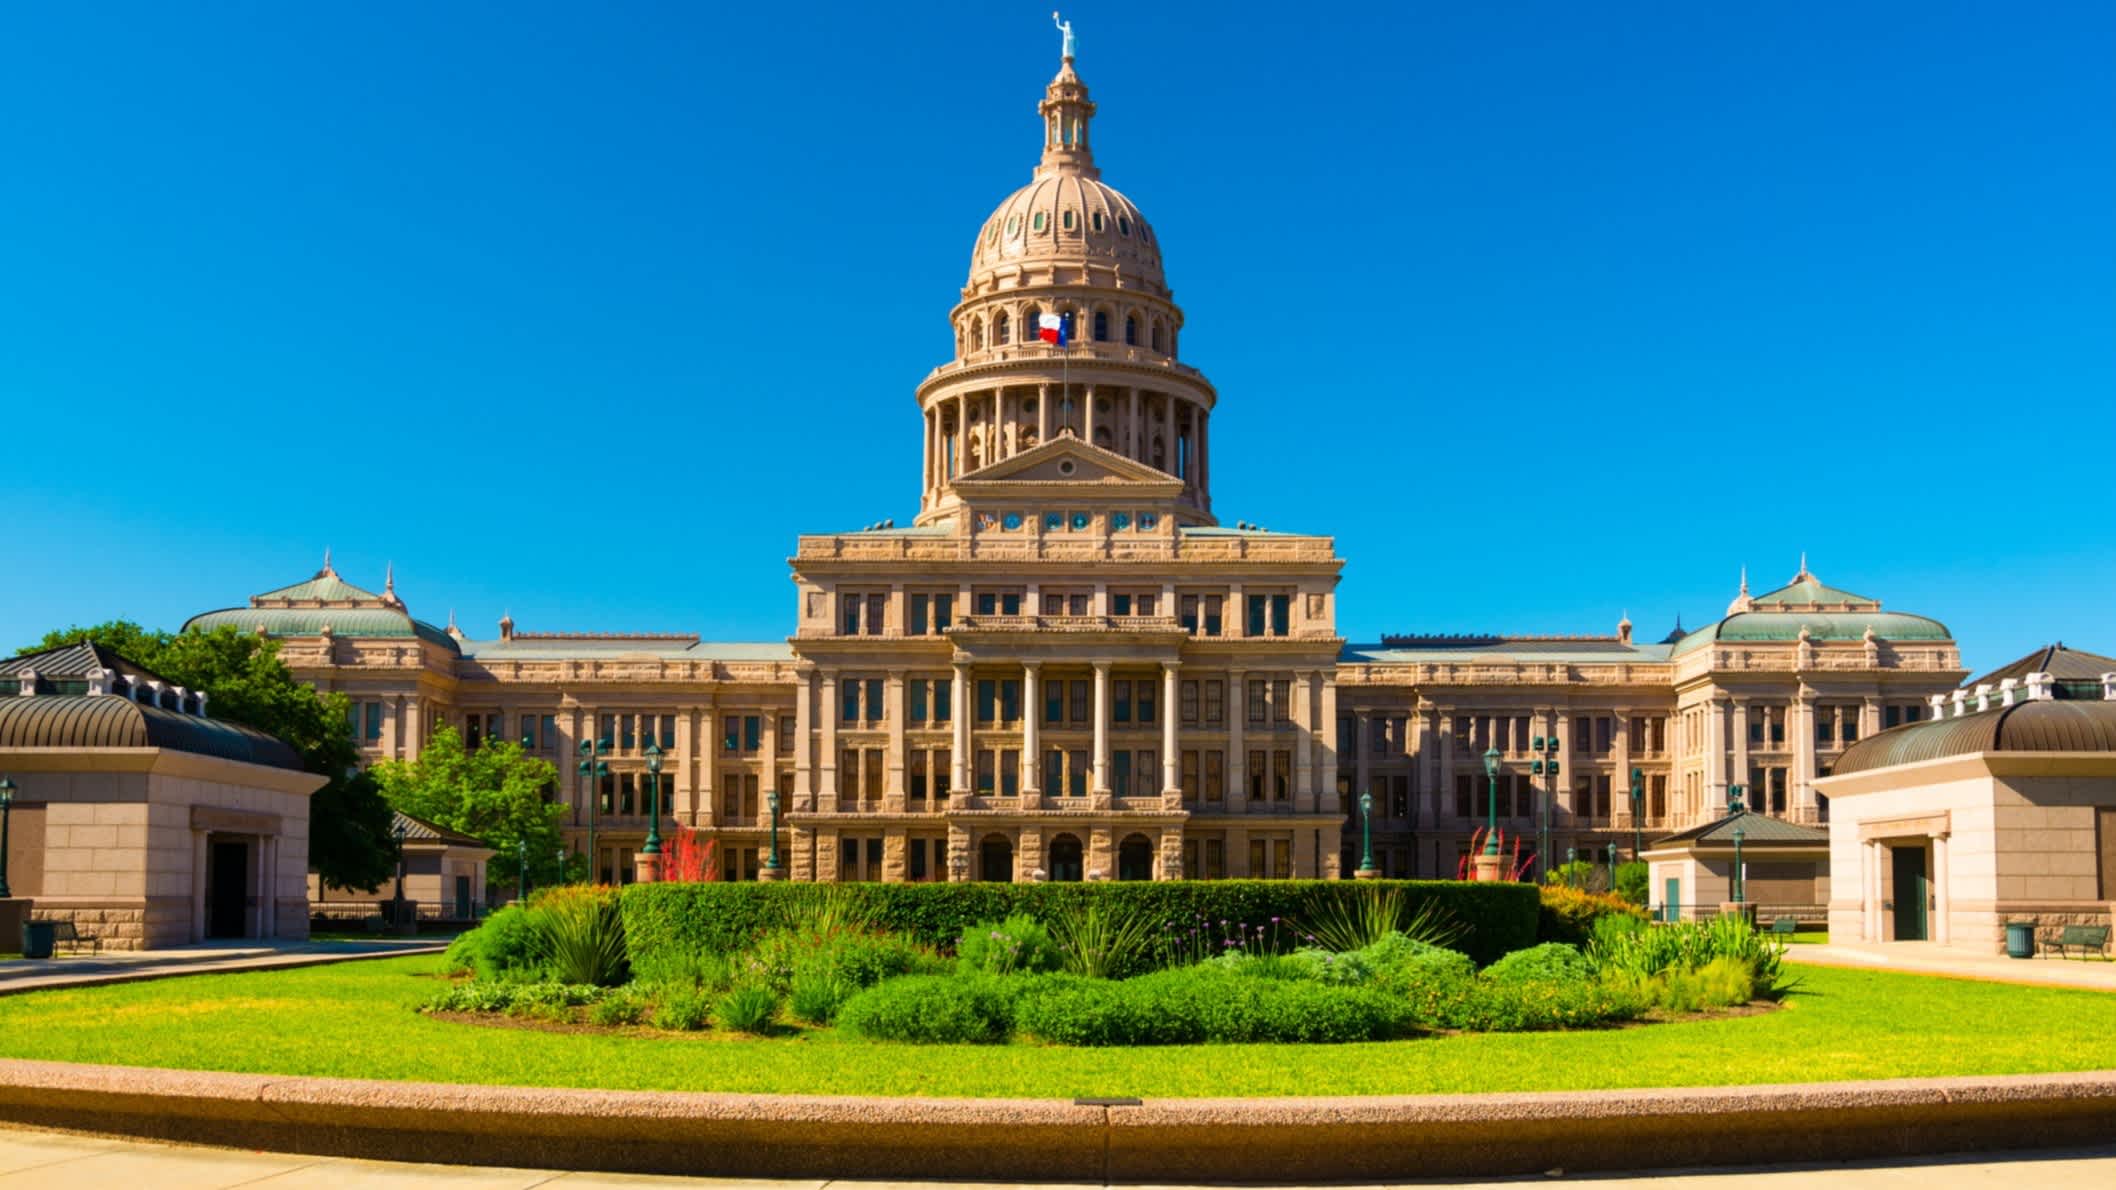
325	587
2053	725
1458	650
1807	590
1821	626
1755	829
114	721
361	622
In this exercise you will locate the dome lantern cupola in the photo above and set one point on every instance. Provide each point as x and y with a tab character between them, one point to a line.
1067	112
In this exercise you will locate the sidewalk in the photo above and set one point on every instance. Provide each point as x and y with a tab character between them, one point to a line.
30	975
1930	958
29	1158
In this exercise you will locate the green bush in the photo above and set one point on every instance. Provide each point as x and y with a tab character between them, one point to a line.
846	953
1631	882
1722	983
972	1010
747	1009
1403	966
1689	946
583	936
1209	1003
514	998
1494	1006
1569	915
729	918
623	1006
684	969
680	1009
1020	943
1552	962
509	945
816	998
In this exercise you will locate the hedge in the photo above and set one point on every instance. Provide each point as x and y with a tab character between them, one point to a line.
724	918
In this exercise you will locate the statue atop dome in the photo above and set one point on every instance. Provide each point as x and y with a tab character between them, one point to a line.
1065	27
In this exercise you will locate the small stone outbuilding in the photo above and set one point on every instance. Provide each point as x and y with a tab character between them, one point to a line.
2004	810
1691	873
444	875
140	819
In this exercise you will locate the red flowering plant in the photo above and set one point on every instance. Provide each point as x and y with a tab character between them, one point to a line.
688	858
1514	864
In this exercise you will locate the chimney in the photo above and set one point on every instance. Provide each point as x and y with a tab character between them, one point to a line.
2039	686
154	688
183	694
29	682
1939	706
201	704
2108	687
506	626
1961	703
1983	696
99	681
2006	687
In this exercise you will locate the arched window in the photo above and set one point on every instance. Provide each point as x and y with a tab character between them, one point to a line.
1002	330
996	856
1066	859
977	335
1101	326
1157	336
1031	324
1131	330
1135	858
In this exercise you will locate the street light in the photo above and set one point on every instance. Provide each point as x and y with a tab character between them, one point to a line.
653	843
1736	795
1366	835
771	801
1545	763
1491	785
1740	892
1638	810
592	771
7	812
521	869
398	832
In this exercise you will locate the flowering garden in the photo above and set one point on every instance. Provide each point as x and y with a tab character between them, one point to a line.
1098	964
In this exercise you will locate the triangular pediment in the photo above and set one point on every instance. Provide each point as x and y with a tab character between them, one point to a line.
1069	460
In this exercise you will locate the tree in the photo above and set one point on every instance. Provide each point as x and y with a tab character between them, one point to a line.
349	836
495	794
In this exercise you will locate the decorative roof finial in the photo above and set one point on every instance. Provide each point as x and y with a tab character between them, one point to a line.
1803	568
1745	579
389	579
326	563
1741	602
1066	112
1065	27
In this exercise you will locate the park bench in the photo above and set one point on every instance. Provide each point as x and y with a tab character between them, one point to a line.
2093	939
1786	925
66	932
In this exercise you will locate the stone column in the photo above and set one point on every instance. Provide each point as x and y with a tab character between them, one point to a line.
1327	798
1444	786
682	774
1303	742
1715	758
804	790
1741	752
708	771
1043	412
1100	784
1237	768
1620	780
1803	777
1135	448
1204	454
768	762
1943	902
1870	873
1869	716
827	760
960	710
893	711
1171	768
1032	736
1087	414
1168	433
393	729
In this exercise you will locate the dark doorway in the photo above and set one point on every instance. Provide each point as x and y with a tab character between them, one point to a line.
998	859
463	905
228	890
1066	860
1910	893
1135	859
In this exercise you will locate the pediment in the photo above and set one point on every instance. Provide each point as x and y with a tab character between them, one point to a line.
1069	460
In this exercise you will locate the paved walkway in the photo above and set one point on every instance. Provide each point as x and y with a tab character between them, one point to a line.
29	975
30	1158
1930	958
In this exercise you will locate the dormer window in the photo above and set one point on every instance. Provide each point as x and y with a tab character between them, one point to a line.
1072	219
1036	223
1097	221
1147	520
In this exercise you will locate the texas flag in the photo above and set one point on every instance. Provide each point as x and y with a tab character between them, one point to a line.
1051	329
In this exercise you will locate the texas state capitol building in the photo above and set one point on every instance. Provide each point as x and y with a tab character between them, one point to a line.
1068	665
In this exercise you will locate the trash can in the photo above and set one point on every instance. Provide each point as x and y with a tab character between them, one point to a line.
2020	939
37	939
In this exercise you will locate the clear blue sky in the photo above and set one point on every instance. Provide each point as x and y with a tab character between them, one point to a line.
1548	311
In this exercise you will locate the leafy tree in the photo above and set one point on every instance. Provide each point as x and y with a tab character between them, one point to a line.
1632	882
349	838
495	793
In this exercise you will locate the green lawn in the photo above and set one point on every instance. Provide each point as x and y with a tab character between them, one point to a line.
356	1020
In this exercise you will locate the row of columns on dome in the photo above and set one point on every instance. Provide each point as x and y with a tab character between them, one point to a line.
970	430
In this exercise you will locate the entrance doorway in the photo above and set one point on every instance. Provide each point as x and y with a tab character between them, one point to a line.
996	856
228	889
464	908
1911	893
1067	860
1135	859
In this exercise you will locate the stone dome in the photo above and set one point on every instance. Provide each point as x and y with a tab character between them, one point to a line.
1067	225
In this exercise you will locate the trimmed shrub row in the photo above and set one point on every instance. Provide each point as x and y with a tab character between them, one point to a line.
725	918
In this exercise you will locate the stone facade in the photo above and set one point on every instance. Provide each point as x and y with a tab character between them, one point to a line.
1067	665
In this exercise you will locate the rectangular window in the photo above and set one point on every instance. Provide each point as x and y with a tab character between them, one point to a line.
877	609
1215	690
1076	779
986	603
1259	611
1257	871
1825	731
1215	775
875	703
1851	725
1281	608
915	860
752	732
1148	768
1120	702
915	785
849	701
1120	774
943	612
1010	700
1604	731
987	768
372	729
1188	693
1054	702
1009	772
1120	603
1190	775
943	697
731	734
1259	774
1465	797
915	609
1054	772
915	692
547	733
871	774
850	606
1215	859
1259	707
1187	613
1891	716
1281	775
1147	701
1282	859
987	700
1080	700
1282	700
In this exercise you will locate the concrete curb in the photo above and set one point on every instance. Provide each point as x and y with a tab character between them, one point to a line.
1185	1140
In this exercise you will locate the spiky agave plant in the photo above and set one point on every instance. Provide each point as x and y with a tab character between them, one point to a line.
583	938
1373	914
1101	940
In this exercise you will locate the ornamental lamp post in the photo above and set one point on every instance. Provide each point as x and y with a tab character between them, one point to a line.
521	870
1545	764
1638	810
397	902
772	870
1485	867
7	813
653	843
1572	856
592	770
1366	870
1740	891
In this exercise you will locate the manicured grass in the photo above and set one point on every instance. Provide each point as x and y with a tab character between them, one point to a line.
357	1020
1818	937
